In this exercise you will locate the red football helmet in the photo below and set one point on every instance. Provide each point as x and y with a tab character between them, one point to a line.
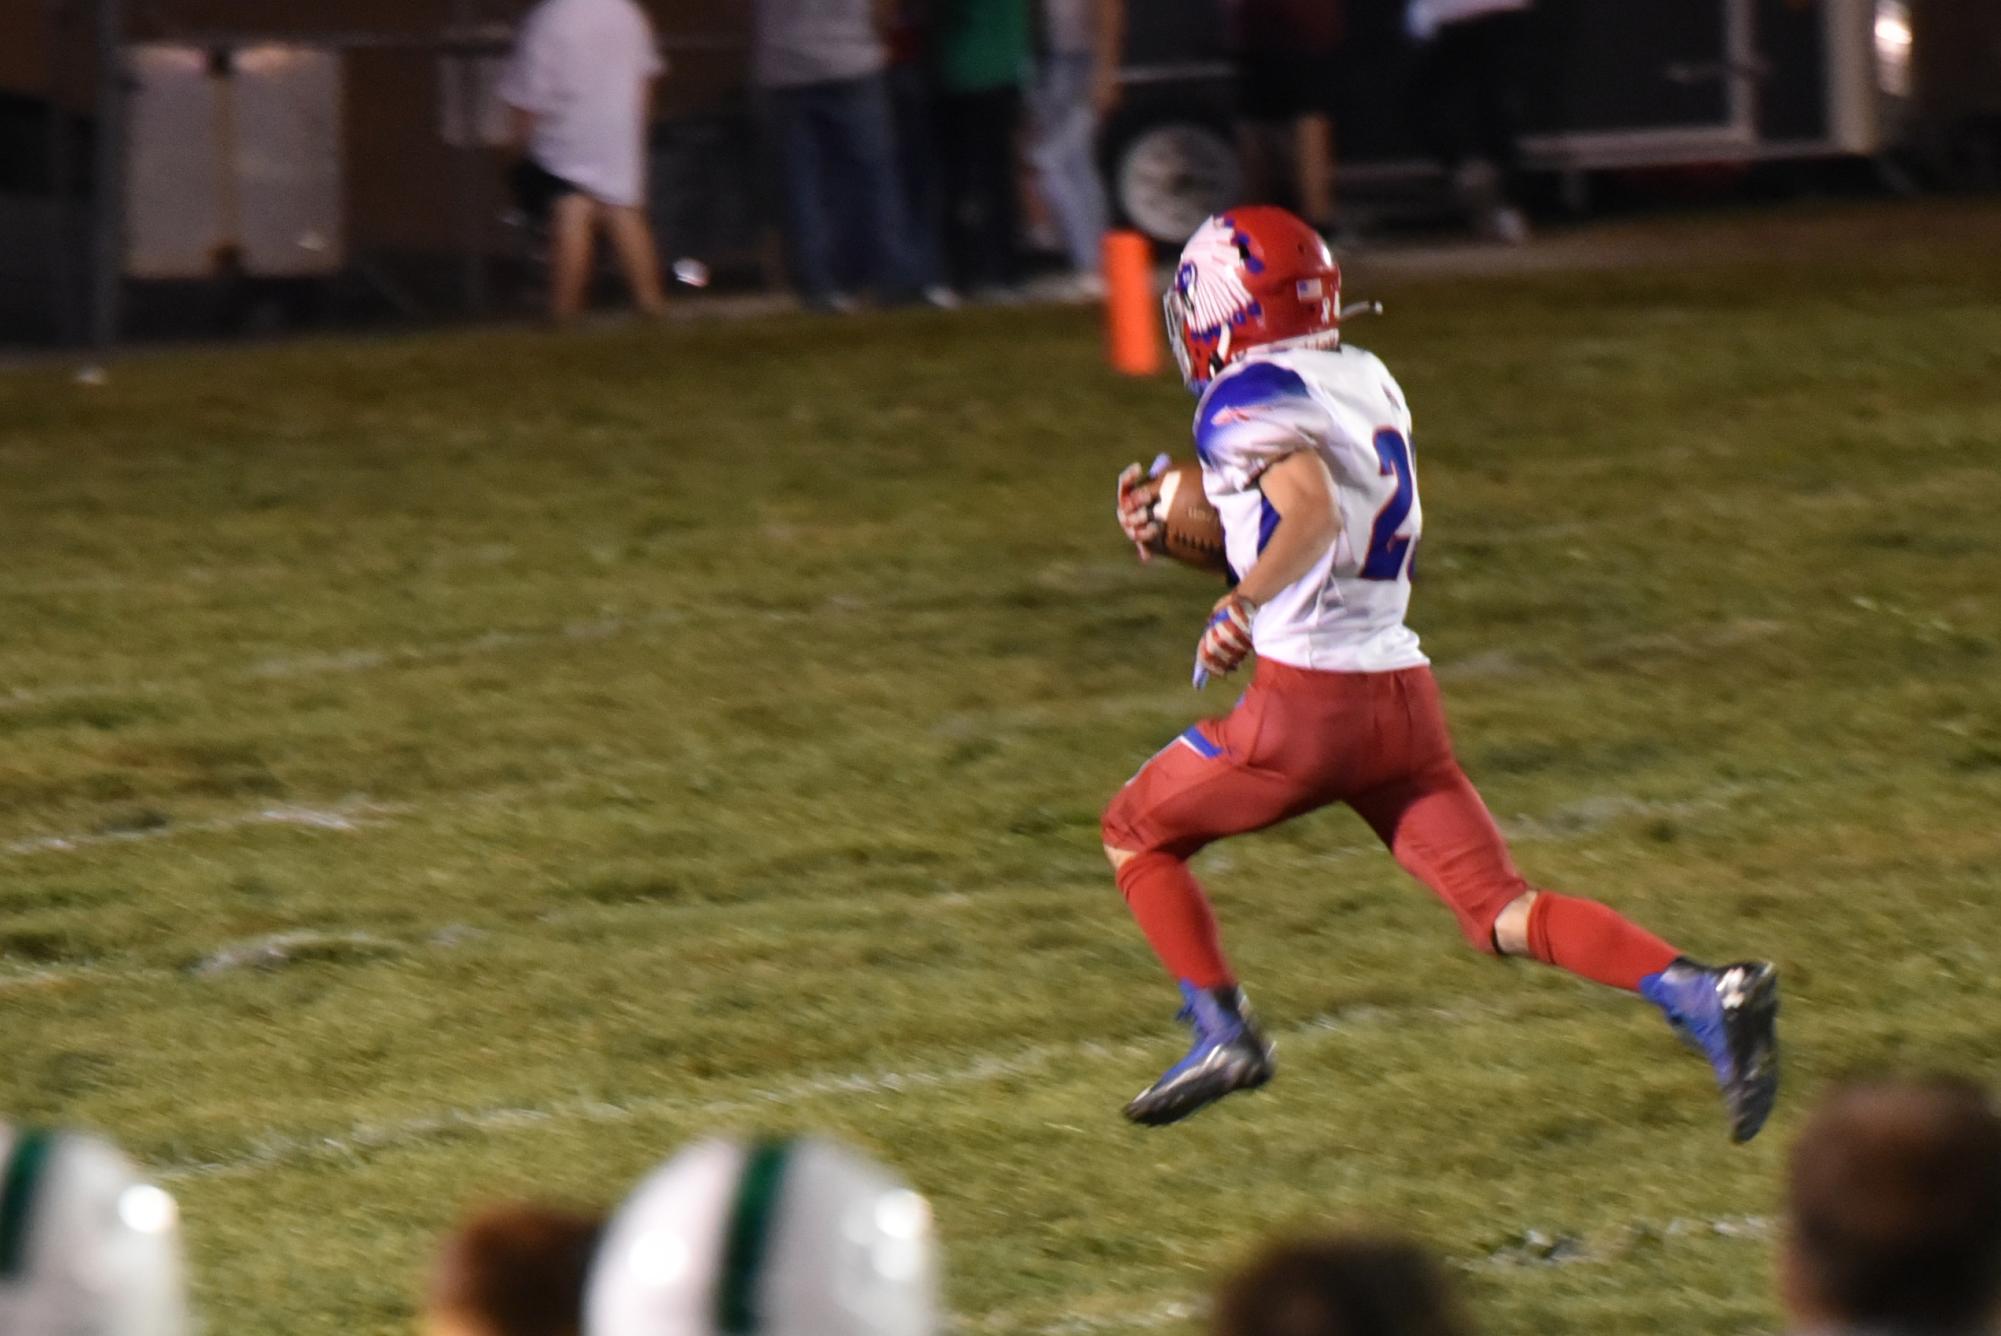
1250	278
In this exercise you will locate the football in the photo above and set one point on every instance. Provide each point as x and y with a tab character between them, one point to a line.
1190	529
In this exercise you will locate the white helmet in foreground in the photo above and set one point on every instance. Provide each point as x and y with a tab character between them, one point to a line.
766	1238
87	1246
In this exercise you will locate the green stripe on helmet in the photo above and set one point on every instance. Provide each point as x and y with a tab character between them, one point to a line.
747	1244
17	1198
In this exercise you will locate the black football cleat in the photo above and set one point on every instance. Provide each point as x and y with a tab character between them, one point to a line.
1730	1014
1230	1053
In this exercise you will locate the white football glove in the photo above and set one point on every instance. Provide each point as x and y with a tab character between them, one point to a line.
1226	640
1137	497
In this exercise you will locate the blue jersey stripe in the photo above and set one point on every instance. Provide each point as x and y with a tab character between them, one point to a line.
1256	383
1268	518
1203	747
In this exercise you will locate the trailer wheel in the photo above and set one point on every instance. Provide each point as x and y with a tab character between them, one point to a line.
1170	174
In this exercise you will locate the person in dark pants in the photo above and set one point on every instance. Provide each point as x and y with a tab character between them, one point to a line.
821	69
913	102
983	54
1467	107
1289	83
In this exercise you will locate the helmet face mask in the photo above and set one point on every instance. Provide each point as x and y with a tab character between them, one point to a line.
1255	277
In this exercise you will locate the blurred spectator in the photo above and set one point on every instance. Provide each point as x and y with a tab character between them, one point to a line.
1076	86
983	55
1466	103
1893	1212
512	1271
822	68
783	1238
1354	1286
913	99
1288	82
86	1244
581	86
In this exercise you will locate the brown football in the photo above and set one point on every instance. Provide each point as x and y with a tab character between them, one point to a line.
1191	530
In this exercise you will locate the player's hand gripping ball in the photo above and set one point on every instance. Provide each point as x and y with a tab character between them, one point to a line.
1135	507
1166	512
1226	640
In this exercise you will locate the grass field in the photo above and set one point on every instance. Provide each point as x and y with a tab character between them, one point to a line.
434	770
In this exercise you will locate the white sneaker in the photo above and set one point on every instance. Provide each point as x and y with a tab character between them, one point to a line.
1508	225
1088	287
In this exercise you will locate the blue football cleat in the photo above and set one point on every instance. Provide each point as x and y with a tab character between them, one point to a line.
1730	1015
1230	1053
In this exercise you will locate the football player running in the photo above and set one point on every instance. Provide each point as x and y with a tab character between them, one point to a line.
1305	446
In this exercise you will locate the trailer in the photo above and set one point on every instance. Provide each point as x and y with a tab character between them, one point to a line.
1643	83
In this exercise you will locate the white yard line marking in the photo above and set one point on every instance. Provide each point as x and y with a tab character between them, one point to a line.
1541	1247
1589	815
1568	823
488	642
237	575
1536	1248
1082	1324
358	659
275	950
369	658
348	816
56	976
275	1150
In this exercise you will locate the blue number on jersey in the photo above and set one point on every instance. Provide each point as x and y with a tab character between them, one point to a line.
1386	550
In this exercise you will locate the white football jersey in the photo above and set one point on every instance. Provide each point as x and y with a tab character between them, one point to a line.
1346	614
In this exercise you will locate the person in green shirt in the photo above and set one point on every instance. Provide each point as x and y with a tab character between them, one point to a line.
982	53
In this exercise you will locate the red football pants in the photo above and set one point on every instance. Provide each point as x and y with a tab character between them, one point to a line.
1301	739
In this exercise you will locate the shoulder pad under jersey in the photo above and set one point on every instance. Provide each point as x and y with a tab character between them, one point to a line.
1254	416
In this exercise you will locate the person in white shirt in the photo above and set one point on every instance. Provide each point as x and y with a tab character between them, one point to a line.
580	84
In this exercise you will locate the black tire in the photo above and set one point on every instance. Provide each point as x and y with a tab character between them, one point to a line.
1166	170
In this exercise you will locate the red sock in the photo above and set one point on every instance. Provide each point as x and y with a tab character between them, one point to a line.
1588	938
1175	916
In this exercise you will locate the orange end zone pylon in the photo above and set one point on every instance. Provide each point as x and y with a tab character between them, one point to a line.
1132	308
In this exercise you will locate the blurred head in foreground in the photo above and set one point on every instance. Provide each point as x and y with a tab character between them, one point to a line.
1349	1286
87	1246
1894	1211
766	1238
512	1271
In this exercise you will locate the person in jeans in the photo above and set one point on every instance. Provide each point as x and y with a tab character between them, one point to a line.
913	102
580	87
821	68
1076	86
983	53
